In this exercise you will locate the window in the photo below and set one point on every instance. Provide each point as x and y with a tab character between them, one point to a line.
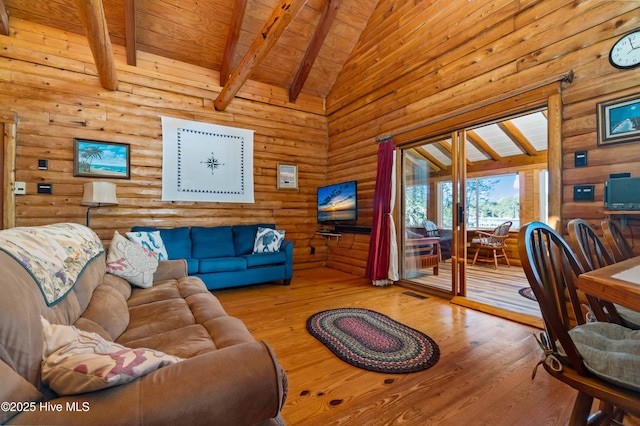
490	201
416	183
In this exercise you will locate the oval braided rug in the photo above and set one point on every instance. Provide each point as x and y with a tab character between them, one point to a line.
373	341
528	293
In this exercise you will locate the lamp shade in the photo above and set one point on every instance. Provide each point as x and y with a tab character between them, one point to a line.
99	194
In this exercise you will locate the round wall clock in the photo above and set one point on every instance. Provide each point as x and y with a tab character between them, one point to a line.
625	53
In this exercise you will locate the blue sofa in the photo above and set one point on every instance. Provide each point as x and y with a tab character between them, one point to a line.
222	256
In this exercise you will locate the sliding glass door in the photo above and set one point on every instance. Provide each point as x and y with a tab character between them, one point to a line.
433	254
459	228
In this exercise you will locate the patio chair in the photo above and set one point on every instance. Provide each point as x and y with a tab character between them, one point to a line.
493	243
616	240
552	268
431	229
422	253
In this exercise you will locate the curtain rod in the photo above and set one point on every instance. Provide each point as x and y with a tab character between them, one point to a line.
568	78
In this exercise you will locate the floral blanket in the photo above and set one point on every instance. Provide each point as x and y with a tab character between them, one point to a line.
54	255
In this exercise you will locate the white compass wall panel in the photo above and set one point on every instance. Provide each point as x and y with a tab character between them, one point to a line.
206	162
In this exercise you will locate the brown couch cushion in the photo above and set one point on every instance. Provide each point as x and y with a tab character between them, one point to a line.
90	326
228	331
119	284
159	292
184	342
15	389
108	308
144	319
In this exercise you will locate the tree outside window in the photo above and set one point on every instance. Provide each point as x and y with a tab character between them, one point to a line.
490	201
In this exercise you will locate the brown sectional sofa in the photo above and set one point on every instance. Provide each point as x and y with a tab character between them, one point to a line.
226	377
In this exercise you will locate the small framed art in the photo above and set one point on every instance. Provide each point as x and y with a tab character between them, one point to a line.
619	120
287	176
101	159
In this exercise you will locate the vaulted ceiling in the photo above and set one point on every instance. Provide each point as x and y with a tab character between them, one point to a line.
298	45
304	56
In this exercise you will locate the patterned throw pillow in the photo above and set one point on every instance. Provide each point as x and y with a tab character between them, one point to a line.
268	240
151	241
76	361
131	261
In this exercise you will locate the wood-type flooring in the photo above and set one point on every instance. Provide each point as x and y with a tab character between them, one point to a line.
483	376
490	290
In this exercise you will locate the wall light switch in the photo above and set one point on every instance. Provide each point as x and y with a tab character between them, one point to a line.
583	192
20	188
580	158
45	188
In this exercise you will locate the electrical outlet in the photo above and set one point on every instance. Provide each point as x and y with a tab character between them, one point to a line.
313	250
20	188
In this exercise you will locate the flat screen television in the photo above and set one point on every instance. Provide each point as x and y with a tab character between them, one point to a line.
338	203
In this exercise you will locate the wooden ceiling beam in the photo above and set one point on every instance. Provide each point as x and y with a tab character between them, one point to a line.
514	162
518	138
4	19
264	41
444	147
130	31
95	24
320	34
482	146
437	165
232	40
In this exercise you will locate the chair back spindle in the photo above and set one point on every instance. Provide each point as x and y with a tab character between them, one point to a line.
616	240
551	269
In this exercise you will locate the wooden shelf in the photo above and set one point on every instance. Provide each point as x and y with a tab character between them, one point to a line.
622	212
330	234
623	216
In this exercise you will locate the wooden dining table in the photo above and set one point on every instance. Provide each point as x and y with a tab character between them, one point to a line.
618	283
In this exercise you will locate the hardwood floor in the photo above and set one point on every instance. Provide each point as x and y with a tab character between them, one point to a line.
490	290
483	376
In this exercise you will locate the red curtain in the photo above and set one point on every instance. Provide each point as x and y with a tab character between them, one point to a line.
378	260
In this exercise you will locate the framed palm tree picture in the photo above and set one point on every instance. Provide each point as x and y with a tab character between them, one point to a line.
101	159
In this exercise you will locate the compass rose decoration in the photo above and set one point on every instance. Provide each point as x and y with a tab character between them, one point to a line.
212	163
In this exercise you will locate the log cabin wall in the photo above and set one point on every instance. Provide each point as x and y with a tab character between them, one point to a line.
419	60
49	79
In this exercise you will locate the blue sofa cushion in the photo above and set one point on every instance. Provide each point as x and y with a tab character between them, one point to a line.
262	259
192	266
177	241
222	264
245	235
215	241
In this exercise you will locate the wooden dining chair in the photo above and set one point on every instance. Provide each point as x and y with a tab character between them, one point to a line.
494	243
592	253
616	240
552	268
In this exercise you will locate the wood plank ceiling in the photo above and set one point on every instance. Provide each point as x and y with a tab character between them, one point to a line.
299	45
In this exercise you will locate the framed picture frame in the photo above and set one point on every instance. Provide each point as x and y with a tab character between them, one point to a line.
287	176
101	159
618	120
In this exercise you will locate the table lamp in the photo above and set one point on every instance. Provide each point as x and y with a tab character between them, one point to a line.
98	194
